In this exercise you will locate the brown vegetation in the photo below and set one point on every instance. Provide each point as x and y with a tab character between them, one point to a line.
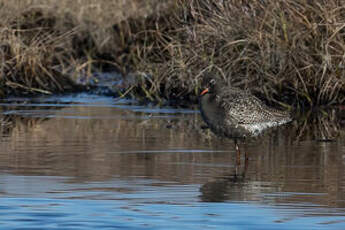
46	45
289	53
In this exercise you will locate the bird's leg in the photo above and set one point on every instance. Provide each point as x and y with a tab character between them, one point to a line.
245	161
236	170
238	155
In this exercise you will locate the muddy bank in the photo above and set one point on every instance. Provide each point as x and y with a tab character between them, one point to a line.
288	53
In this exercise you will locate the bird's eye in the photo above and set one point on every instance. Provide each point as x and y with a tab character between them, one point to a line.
212	82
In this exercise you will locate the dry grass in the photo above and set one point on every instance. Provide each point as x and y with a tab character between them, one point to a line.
45	45
289	53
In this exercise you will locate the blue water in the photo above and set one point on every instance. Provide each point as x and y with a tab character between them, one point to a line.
91	162
34	202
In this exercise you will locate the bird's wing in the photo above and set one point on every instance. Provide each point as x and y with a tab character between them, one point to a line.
246	108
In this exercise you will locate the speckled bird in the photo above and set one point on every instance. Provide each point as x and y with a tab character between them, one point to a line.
235	113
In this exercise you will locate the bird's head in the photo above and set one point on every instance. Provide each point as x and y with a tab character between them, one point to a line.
210	86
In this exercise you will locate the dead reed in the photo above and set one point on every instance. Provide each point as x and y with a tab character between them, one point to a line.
32	55
289	53
46	45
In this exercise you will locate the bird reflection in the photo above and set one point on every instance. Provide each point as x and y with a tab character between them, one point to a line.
227	187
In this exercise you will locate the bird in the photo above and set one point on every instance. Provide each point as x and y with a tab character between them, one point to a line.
237	114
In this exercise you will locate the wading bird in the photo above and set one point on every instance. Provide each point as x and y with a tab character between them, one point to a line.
234	113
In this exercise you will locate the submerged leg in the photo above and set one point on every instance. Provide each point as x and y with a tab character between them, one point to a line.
238	153
245	160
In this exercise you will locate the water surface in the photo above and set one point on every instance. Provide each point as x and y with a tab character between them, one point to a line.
85	162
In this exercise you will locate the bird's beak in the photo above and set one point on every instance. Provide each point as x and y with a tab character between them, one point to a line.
204	92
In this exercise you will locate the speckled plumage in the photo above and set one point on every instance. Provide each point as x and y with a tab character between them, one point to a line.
235	113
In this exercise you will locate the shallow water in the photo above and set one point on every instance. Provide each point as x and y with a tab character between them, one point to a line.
86	162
